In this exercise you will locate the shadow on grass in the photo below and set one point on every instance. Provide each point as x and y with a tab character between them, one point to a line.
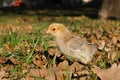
90	10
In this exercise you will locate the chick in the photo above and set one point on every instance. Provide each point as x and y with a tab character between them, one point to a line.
73	48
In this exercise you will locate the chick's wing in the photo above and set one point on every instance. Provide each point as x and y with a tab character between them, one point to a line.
76	44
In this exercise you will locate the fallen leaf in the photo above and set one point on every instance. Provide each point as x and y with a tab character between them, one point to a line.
8	47
26	29
51	51
112	73
114	39
29	78
83	78
59	75
3	74
37	73
83	72
13	60
107	49
40	61
63	65
112	55
75	67
2	60
23	79
51	73
50	77
101	44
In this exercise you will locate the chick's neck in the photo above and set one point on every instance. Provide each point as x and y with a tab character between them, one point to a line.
64	36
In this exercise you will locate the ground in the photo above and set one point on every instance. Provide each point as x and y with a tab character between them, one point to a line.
27	52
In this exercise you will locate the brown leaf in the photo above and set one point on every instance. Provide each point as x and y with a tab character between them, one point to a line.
75	67
8	47
112	55
51	73
2	60
55	73
50	77
29	78
34	72
39	63
38	49
57	52
51	51
108	74
26	29
101	44
29	28
107	49
114	39
63	65
83	78
43	72
59	75
37	73
13	60
118	46
52	43
3	74
83	72
22	79
98	35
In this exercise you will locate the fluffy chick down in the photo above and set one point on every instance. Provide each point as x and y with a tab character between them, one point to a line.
73	48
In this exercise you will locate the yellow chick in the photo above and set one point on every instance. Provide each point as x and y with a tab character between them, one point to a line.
72	47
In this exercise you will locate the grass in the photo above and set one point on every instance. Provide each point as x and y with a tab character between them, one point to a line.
19	42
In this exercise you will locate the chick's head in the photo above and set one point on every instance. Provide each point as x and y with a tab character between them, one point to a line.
56	29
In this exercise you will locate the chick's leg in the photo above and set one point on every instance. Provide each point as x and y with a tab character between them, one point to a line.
54	59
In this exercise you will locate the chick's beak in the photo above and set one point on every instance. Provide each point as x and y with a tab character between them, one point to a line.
48	32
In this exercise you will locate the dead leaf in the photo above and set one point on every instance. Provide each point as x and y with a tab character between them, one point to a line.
38	49
107	49
26	29
75	67
3	74
101	44
114	39
43	72
98	35
112	55
2	60
37	73
52	43
108	74
29	78
83	78
39	63
8	47
23	79
13	60
63	65
83	72
50	77
51	51
59	75
51	73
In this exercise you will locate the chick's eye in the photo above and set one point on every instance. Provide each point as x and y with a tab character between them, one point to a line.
53	29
